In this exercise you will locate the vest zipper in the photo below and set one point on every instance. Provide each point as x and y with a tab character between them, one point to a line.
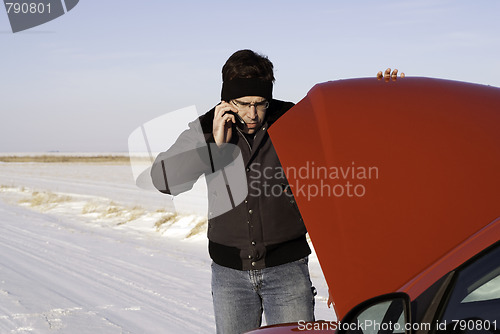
242	135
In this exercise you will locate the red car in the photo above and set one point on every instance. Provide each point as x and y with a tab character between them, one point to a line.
398	182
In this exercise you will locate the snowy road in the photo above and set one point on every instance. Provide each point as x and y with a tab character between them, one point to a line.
81	251
56	277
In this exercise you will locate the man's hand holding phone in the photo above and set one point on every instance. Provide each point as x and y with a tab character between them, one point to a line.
224	117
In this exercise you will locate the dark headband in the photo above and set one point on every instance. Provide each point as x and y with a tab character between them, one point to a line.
240	87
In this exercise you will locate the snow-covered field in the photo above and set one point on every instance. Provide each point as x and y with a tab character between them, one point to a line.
83	250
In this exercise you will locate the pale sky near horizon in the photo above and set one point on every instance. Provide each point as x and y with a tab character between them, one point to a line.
86	80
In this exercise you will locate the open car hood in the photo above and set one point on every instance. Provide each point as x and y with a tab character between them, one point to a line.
390	175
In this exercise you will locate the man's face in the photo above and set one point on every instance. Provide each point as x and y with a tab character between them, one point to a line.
253	110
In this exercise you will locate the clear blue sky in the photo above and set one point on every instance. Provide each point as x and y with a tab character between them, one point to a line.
85	81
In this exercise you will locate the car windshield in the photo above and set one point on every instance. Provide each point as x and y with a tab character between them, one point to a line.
476	293
487	291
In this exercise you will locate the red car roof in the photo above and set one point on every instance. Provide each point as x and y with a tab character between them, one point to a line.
390	176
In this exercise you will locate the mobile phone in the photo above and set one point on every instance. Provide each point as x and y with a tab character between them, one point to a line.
239	121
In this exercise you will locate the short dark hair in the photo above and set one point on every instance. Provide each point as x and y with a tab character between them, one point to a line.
248	64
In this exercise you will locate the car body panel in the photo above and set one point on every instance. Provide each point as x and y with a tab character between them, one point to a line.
435	148
476	243
461	254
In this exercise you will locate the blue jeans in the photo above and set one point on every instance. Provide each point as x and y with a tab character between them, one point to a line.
283	293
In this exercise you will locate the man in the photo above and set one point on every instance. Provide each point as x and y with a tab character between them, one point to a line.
258	247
